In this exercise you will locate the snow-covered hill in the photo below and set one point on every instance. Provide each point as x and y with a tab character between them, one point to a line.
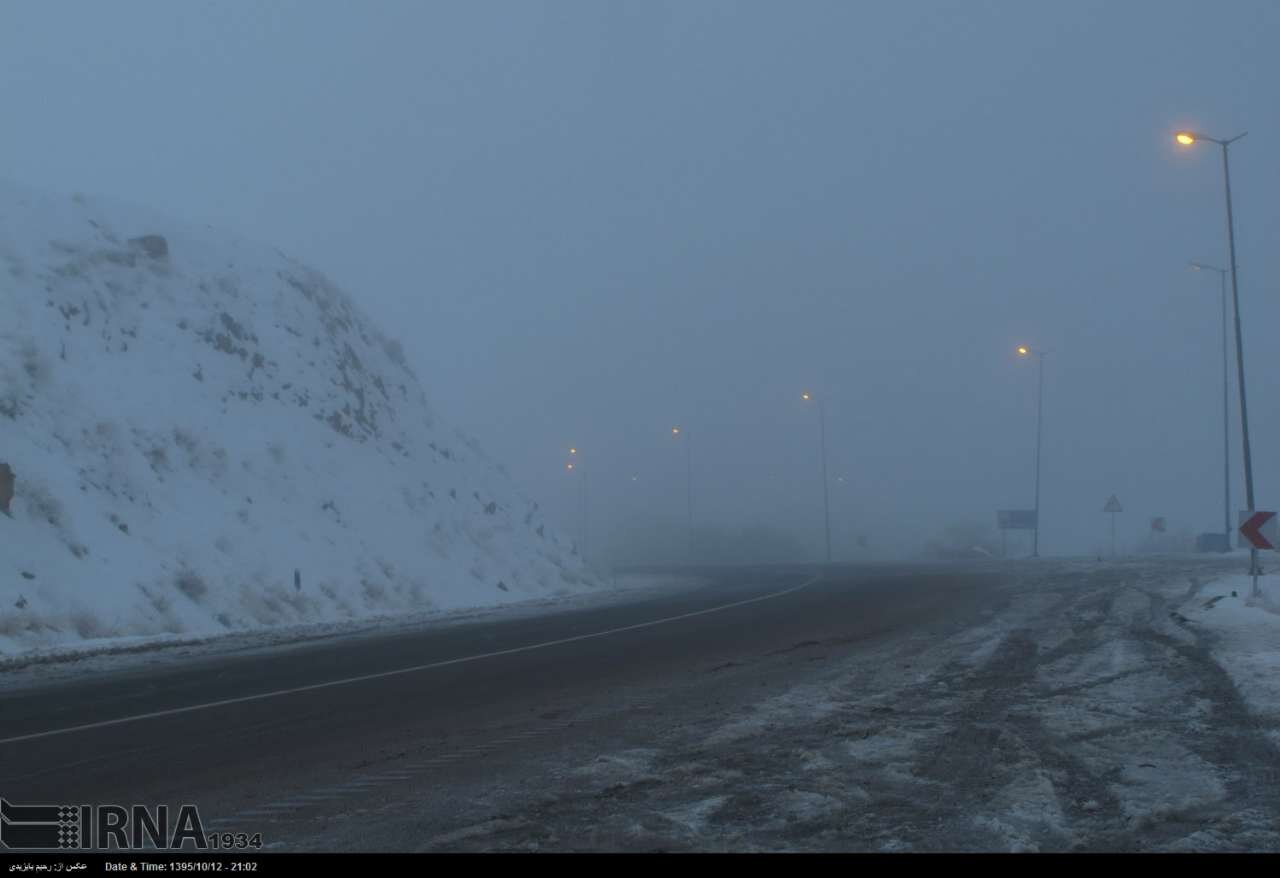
207	435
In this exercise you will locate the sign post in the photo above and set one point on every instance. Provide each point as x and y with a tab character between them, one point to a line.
1015	519
1113	506
1259	530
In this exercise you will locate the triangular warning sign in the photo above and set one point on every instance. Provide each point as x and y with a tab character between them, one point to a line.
1113	505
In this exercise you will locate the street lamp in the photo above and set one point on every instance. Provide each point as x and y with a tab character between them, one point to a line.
1226	445
1187	138
575	464
1023	351
826	499
676	433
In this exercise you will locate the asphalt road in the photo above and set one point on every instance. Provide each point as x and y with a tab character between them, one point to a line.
213	733
450	737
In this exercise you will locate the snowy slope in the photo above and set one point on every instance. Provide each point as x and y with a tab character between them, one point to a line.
191	420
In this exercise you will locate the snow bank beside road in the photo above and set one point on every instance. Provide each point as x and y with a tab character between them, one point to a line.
1245	634
39	667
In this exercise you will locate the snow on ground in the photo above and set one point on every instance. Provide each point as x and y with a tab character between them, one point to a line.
1245	638
208	436
1078	708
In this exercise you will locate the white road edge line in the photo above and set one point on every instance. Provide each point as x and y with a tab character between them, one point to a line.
364	678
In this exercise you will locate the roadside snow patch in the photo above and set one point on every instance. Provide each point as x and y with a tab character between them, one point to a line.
1245	639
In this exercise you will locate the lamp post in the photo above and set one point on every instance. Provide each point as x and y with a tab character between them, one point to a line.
677	433
1187	138
1024	351
575	464
826	498
1226	444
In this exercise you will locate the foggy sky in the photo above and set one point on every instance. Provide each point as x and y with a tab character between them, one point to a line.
589	221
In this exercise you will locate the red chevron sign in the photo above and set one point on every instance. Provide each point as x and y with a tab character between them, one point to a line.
1259	529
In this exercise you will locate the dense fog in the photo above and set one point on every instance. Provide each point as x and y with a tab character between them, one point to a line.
589	223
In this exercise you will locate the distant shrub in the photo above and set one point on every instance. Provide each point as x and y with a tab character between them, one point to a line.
9	406
154	246
12	624
184	440
374	593
41	505
89	626
157	457
218	466
34	364
158	602
191	584
17	269
394	351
